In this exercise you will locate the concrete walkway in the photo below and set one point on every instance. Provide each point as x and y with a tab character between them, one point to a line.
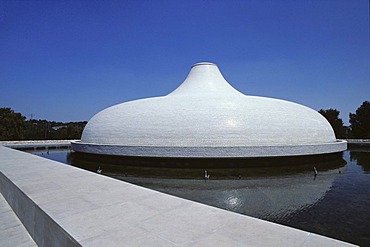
61	205
12	231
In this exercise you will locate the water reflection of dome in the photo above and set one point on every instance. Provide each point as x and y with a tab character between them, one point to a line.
206	117
263	197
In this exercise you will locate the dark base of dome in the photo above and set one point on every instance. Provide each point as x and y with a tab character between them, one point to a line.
192	167
208	162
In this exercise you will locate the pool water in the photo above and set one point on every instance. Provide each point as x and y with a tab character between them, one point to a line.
334	203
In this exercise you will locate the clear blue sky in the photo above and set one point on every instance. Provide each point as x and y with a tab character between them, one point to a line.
67	60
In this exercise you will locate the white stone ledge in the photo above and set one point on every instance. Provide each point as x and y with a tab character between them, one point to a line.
358	140
211	152
61	205
25	144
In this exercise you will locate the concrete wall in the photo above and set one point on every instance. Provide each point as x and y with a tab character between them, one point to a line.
37	144
62	205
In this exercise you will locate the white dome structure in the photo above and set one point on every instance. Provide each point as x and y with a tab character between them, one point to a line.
205	117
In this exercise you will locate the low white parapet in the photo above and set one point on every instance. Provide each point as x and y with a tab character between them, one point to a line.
36	144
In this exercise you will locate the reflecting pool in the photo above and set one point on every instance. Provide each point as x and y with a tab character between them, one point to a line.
334	203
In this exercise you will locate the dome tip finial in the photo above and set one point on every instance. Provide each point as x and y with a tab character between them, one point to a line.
204	64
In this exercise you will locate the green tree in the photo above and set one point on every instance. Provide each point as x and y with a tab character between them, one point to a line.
11	124
360	121
36	129
332	115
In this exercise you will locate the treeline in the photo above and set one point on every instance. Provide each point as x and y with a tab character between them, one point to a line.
14	126
359	122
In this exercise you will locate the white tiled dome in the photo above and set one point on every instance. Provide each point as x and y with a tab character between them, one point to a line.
206	117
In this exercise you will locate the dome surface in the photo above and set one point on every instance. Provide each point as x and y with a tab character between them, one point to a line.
206	117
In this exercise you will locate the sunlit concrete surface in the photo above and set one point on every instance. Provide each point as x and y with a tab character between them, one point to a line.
206	117
61	205
27	144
